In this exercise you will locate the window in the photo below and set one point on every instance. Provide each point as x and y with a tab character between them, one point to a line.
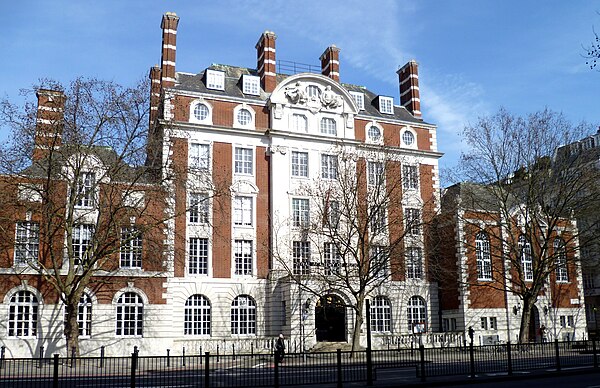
81	242
215	79
251	84
413	221
414	263
484	325
378	219
328	126
301	257
408	138
484	260
22	315
332	214
588	281
329	166
131	247
410	177
417	315
201	112
313	92
199	156
244	117
199	208
300	164
526	258
359	99
381	315
243	316
27	242
374	133
196	316
378	263
198	256
331	259
242	252
563	321
86	190
449	324
375	174
130	315
300	212
493	323
243	161
242	211
560	258
567	321
299	123
386	105
84	315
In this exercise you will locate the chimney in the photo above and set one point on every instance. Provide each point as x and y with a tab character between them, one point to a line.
169	44
154	93
49	122
265	61
330	63
409	88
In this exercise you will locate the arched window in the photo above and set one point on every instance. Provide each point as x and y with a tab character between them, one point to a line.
328	126
22	315
243	315
417	315
197	316
560	260
130	315
84	315
201	112
484	260
526	258
244	117
381	315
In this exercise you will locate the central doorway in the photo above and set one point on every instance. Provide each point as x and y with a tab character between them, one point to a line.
330	319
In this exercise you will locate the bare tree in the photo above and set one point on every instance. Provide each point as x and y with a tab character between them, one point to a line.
86	195
358	229
592	52
528	190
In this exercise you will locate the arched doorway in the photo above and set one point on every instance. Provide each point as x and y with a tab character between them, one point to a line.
330	319
534	325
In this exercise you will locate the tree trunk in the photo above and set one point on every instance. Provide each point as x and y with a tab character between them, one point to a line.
358	322
71	327
528	303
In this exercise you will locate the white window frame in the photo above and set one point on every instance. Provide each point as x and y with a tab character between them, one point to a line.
84	315
86	190
27	242
413	220
197	316
243	211
329	166
198	256
410	177
243	161
199	156
371	137
381	315
332	260
301	255
375	173
359	99
215	79
194	118
560	258
526	258
378	217
23	315
414	263
199	208
408	138
243	257
416	312
379	265
251	85
300	212
299	164
81	241
386	105
483	256
332	214
328	126
129	315
130	250
296	119
243	316
236	117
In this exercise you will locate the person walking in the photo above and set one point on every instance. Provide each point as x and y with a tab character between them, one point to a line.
279	349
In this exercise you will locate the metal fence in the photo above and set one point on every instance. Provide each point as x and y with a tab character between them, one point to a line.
260	370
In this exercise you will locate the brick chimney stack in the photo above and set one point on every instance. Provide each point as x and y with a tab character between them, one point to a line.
265	61
409	88
330	63
154	93
49	122
169	44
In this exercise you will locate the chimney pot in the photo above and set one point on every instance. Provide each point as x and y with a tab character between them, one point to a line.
330	62
266	61
409	88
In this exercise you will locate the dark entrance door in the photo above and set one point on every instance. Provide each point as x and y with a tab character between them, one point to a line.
534	325
330	319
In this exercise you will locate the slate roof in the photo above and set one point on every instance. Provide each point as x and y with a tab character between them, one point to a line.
233	88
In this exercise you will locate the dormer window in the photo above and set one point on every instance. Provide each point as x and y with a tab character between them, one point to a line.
251	84
215	79
386	105
359	99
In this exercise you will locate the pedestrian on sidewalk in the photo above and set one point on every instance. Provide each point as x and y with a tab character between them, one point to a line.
279	349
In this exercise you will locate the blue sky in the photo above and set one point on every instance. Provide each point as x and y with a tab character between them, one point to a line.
474	56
